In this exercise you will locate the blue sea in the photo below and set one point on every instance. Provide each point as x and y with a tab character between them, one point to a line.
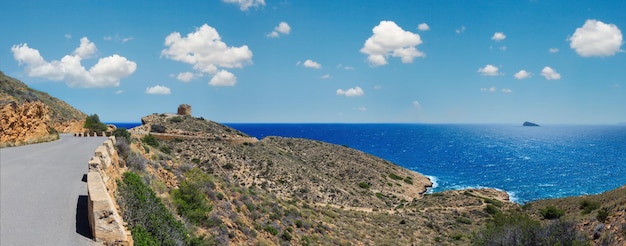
530	163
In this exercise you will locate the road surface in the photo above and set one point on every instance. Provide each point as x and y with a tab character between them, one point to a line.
43	193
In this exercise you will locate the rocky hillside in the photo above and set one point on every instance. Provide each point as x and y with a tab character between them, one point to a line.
286	191
601	217
63	117
313	171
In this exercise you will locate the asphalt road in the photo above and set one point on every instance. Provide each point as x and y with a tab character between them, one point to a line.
43	194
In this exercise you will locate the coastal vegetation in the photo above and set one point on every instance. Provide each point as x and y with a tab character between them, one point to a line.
226	188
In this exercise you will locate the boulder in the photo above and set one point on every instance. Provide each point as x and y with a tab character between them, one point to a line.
184	109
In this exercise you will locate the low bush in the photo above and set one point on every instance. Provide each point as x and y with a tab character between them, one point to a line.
150	140
520	229
120	133
166	150
150	221
176	119
588	206
190	198
157	128
602	215
551	212
491	209
364	185
395	177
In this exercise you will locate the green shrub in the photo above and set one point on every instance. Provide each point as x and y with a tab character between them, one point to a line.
157	128
93	124
493	201
286	236
551	212
121	133
190	198
151	223
150	140
364	185
408	180
588	206
491	209
272	230
395	177
176	119
166	150
464	220
602	215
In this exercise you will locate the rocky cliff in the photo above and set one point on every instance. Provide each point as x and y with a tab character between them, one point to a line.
30	116
25	123
63	117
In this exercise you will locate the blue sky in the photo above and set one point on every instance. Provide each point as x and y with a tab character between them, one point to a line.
325	61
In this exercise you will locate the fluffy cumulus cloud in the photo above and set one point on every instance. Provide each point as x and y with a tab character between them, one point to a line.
186	76
205	50
550	74
507	90
158	90
423	27
326	76
489	70
311	64
389	39
553	50
245	5
223	78
595	38
352	92
498	36
107	72
522	74
282	28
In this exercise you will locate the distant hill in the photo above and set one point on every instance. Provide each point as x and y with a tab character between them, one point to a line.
13	90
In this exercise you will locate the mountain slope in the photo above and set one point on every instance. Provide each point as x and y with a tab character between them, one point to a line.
13	90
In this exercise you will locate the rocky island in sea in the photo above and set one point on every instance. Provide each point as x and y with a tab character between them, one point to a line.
528	123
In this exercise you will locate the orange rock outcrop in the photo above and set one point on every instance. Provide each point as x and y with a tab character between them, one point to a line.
24	122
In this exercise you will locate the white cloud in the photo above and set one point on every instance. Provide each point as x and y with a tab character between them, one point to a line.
550	74
389	39
460	30
223	78
117	38
244	5
282	27
522	74
68	36
86	48
326	76
553	50
158	90
502	48
186	76
312	64
119	92
362	108
489	70
352	92
490	89
498	36
595	38
507	90
377	87
416	104
423	27
205	50
107	72
345	67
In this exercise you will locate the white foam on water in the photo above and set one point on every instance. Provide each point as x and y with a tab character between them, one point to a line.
434	180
